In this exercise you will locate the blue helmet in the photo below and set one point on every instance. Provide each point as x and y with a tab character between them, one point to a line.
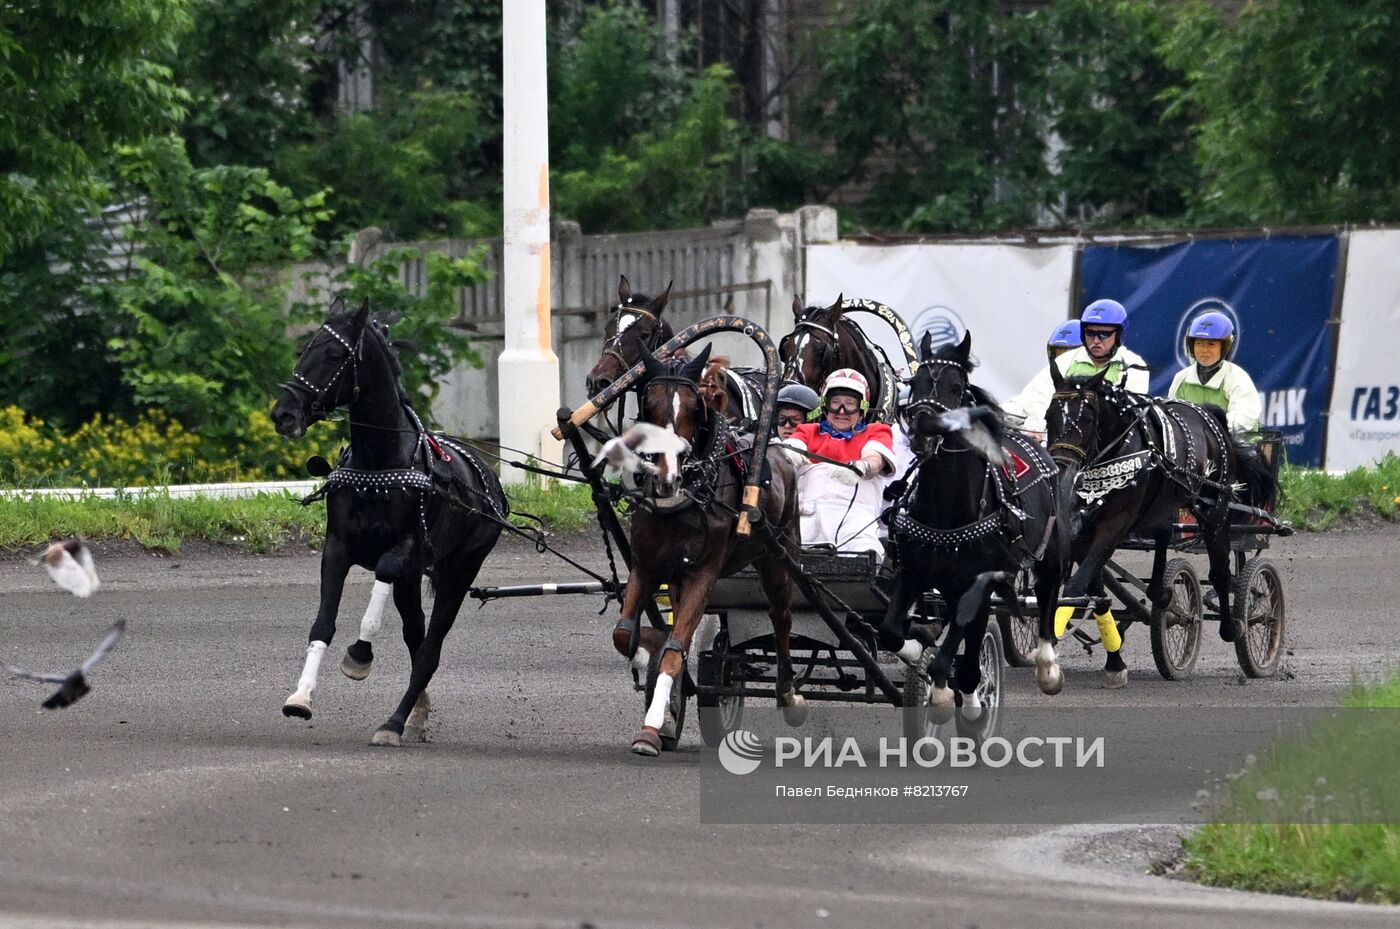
1212	325
1105	313
1065	335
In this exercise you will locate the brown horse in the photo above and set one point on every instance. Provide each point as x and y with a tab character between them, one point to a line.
636	324
683	534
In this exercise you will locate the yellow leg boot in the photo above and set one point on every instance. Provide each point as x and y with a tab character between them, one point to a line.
1063	615
1115	673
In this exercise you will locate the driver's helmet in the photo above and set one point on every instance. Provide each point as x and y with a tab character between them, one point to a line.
1211	325
1065	335
800	396
848	379
1105	313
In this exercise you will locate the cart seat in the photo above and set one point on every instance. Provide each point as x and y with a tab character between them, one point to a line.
849	575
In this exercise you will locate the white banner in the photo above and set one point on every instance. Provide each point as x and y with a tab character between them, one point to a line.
1009	296
1364	422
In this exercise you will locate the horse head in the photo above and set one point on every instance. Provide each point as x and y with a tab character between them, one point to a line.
672	398
1081	410
714	387
814	347
940	386
635	324
326	376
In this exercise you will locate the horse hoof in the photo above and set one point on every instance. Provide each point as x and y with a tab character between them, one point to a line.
647	743
297	707
795	713
941	705
416	728
386	738
355	670
1115	680
1050	679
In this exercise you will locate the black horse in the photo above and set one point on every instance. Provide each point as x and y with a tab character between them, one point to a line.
1129	464
981	508
401	502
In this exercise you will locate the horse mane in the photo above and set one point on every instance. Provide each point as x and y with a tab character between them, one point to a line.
712	384
980	397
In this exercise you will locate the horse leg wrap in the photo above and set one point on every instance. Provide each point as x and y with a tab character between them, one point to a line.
660	700
374	613
1063	615
1108	631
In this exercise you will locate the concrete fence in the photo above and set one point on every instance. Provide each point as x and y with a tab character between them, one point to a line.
753	266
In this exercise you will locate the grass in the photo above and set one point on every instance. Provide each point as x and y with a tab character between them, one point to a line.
263	523
1331	805
1315	500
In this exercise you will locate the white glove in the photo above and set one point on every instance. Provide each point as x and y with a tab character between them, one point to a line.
848	477
794	454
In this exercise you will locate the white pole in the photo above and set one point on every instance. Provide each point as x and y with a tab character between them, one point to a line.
528	367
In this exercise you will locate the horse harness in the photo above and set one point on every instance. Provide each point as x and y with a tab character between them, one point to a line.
353	353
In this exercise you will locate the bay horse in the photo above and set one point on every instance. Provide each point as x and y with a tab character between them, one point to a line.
402	501
637	325
823	340
980	509
1135	462
683	534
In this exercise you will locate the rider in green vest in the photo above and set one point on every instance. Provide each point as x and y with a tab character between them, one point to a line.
1213	379
1101	328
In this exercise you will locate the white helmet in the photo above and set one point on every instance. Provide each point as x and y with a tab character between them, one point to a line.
847	379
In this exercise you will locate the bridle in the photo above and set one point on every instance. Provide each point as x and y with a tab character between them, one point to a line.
315	395
792	368
1075	415
911	410
655	340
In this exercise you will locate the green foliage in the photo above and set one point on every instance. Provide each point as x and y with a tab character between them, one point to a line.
428	345
199	325
1297	121
150	449
408	167
1319	798
1098	86
80	77
1316	500
676	175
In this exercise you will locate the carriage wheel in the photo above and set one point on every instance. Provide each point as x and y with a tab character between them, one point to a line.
718	716
1020	635
1257	605
669	739
917	724
1176	631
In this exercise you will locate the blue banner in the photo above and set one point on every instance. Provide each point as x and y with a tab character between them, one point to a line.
1279	293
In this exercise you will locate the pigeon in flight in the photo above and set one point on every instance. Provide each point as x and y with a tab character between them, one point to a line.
622	452
977	425
69	563
74	684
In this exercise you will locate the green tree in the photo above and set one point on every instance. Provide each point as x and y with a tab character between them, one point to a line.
1100	90
1297	115
80	77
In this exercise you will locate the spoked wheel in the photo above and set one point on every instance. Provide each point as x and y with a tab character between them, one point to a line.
1257	605
718	716
1176	632
917	688
675	714
1020	635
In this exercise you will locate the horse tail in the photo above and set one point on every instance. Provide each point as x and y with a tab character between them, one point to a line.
1258	478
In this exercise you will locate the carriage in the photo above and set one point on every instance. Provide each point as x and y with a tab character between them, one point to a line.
1257	600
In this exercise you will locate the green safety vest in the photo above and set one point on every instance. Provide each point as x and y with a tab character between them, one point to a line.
1206	396
1085	369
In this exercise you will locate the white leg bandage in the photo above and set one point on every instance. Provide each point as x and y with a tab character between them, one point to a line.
639	660
972	706
311	669
910	651
374	613
656	713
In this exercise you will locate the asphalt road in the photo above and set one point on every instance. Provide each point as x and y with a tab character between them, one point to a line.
177	794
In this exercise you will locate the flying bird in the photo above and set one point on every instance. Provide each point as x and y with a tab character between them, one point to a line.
622	452
69	563
973	422
73	685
